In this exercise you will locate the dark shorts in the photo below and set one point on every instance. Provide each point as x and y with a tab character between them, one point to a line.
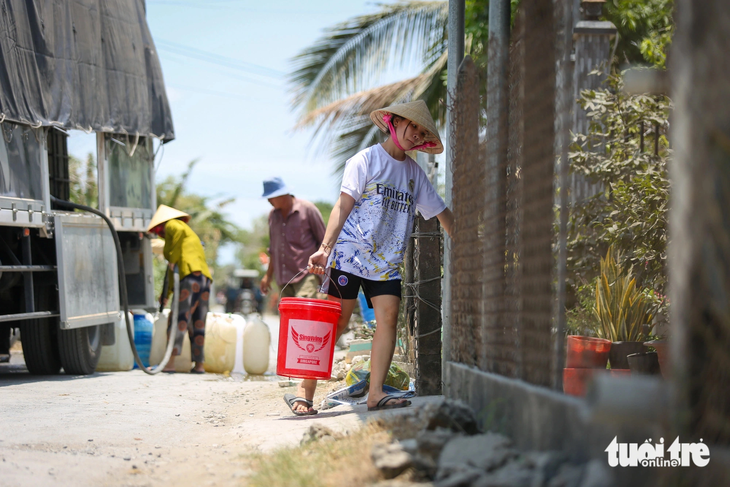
346	286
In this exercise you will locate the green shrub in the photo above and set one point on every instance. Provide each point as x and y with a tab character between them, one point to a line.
623	311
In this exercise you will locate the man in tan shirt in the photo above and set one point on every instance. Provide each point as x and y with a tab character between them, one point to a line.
296	229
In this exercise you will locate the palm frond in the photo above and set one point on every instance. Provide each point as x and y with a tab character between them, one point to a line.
353	54
344	127
360	103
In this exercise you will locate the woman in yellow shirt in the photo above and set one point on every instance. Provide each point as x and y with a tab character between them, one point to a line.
184	249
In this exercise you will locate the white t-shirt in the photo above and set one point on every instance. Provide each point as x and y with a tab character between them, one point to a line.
387	192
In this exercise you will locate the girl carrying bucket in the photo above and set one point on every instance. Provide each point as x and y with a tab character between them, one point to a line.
368	231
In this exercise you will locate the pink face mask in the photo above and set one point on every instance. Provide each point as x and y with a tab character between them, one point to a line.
388	119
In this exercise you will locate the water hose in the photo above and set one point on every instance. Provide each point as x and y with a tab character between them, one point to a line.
123	289
173	320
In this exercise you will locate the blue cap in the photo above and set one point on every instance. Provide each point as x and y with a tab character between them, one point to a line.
274	187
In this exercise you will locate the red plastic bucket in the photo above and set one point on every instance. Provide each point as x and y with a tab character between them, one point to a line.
307	335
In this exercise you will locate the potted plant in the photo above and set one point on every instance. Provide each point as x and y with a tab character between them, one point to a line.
623	312
644	363
661	346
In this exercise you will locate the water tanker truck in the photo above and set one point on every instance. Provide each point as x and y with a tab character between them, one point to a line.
88	66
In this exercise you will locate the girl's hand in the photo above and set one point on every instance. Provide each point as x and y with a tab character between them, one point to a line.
317	262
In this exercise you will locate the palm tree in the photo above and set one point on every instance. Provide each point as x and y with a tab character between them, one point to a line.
335	81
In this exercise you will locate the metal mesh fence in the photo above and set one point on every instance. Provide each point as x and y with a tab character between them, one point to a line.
535	232
509	251
502	258
468	177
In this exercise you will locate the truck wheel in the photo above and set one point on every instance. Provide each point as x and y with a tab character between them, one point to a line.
40	337
80	349
40	347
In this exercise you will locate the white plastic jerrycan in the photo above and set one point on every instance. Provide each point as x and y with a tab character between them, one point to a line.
222	342
256	343
118	357
159	344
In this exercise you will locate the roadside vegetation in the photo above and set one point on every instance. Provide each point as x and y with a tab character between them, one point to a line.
626	155
335	461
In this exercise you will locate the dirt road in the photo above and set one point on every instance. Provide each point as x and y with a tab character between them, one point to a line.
131	429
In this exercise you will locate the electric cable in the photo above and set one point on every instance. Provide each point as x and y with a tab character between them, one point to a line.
213	58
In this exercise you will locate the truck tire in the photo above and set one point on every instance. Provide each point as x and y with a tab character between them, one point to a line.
40	347
40	337
80	349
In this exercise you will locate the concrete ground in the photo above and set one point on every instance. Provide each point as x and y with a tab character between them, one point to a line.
131	429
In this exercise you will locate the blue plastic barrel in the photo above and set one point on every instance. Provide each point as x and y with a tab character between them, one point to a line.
143	327
368	314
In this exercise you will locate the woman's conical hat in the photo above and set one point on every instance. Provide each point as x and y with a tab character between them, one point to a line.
416	111
165	213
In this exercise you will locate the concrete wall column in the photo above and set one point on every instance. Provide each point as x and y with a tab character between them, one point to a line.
699	222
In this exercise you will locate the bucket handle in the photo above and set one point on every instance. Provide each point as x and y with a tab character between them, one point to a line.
307	270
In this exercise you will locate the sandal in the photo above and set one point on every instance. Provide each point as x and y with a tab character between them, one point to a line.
291	399
383	404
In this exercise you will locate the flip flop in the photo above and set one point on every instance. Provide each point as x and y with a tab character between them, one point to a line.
193	371
290	399
383	404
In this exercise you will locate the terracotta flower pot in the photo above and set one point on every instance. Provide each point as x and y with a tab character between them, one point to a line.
575	381
620	372
645	363
586	352
662	350
620	350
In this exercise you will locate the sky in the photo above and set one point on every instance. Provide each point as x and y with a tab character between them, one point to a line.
236	118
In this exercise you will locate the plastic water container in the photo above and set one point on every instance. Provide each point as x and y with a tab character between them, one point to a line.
307	335
368	314
119	356
222	347
256	343
143	327
159	344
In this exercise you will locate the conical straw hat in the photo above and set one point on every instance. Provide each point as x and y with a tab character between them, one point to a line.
415	111
165	213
